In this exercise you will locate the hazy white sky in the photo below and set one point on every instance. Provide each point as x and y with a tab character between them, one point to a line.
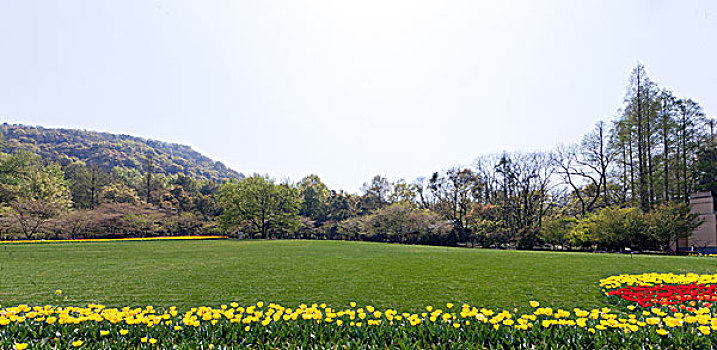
346	89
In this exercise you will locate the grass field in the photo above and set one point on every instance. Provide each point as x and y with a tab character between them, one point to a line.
191	273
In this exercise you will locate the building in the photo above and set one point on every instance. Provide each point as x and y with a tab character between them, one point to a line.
704	239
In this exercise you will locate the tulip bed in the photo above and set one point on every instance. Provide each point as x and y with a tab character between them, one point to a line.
678	292
683	319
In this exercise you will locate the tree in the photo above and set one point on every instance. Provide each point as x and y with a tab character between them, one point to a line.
655	140
109	218
376	194
399	222
143	221
86	183
420	186
315	196
524	182
205	200
569	167
8	224
636	111
403	192
261	204
131	178
597	156
707	167
342	206
148	171
556	230
669	222
691	116
35	192
455	193
75	223
485	225
23	176
16	170
118	193
585	168
32	214
183	223
666	125
612	228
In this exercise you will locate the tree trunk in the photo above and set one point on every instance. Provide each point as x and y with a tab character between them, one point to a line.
642	185
666	160
648	146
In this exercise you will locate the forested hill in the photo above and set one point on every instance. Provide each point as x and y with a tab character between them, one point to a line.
110	150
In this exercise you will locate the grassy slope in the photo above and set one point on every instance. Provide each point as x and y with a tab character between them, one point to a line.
191	273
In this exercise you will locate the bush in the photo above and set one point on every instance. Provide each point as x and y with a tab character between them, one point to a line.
669	222
399	223
611	228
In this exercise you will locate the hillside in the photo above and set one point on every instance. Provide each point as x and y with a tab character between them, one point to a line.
110	150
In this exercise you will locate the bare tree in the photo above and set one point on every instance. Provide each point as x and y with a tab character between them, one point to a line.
31	215
75	223
597	156
568	166
455	192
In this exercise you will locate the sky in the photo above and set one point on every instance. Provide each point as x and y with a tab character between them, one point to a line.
346	89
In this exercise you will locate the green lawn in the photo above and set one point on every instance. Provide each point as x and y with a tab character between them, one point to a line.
192	273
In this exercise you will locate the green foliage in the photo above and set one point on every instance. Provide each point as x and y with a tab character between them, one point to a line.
129	176
260	206
86	183
486	225
615	228
657	150
314	198
118	193
31	193
707	167
342	206
403	192
669	222
400	222
611	228
556	229
109	151
376	194
23	176
36	193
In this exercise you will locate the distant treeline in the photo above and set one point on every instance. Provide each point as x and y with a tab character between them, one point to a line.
625	184
107	151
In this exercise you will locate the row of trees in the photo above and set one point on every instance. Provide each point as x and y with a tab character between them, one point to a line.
41	199
615	228
653	152
636	171
626	183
